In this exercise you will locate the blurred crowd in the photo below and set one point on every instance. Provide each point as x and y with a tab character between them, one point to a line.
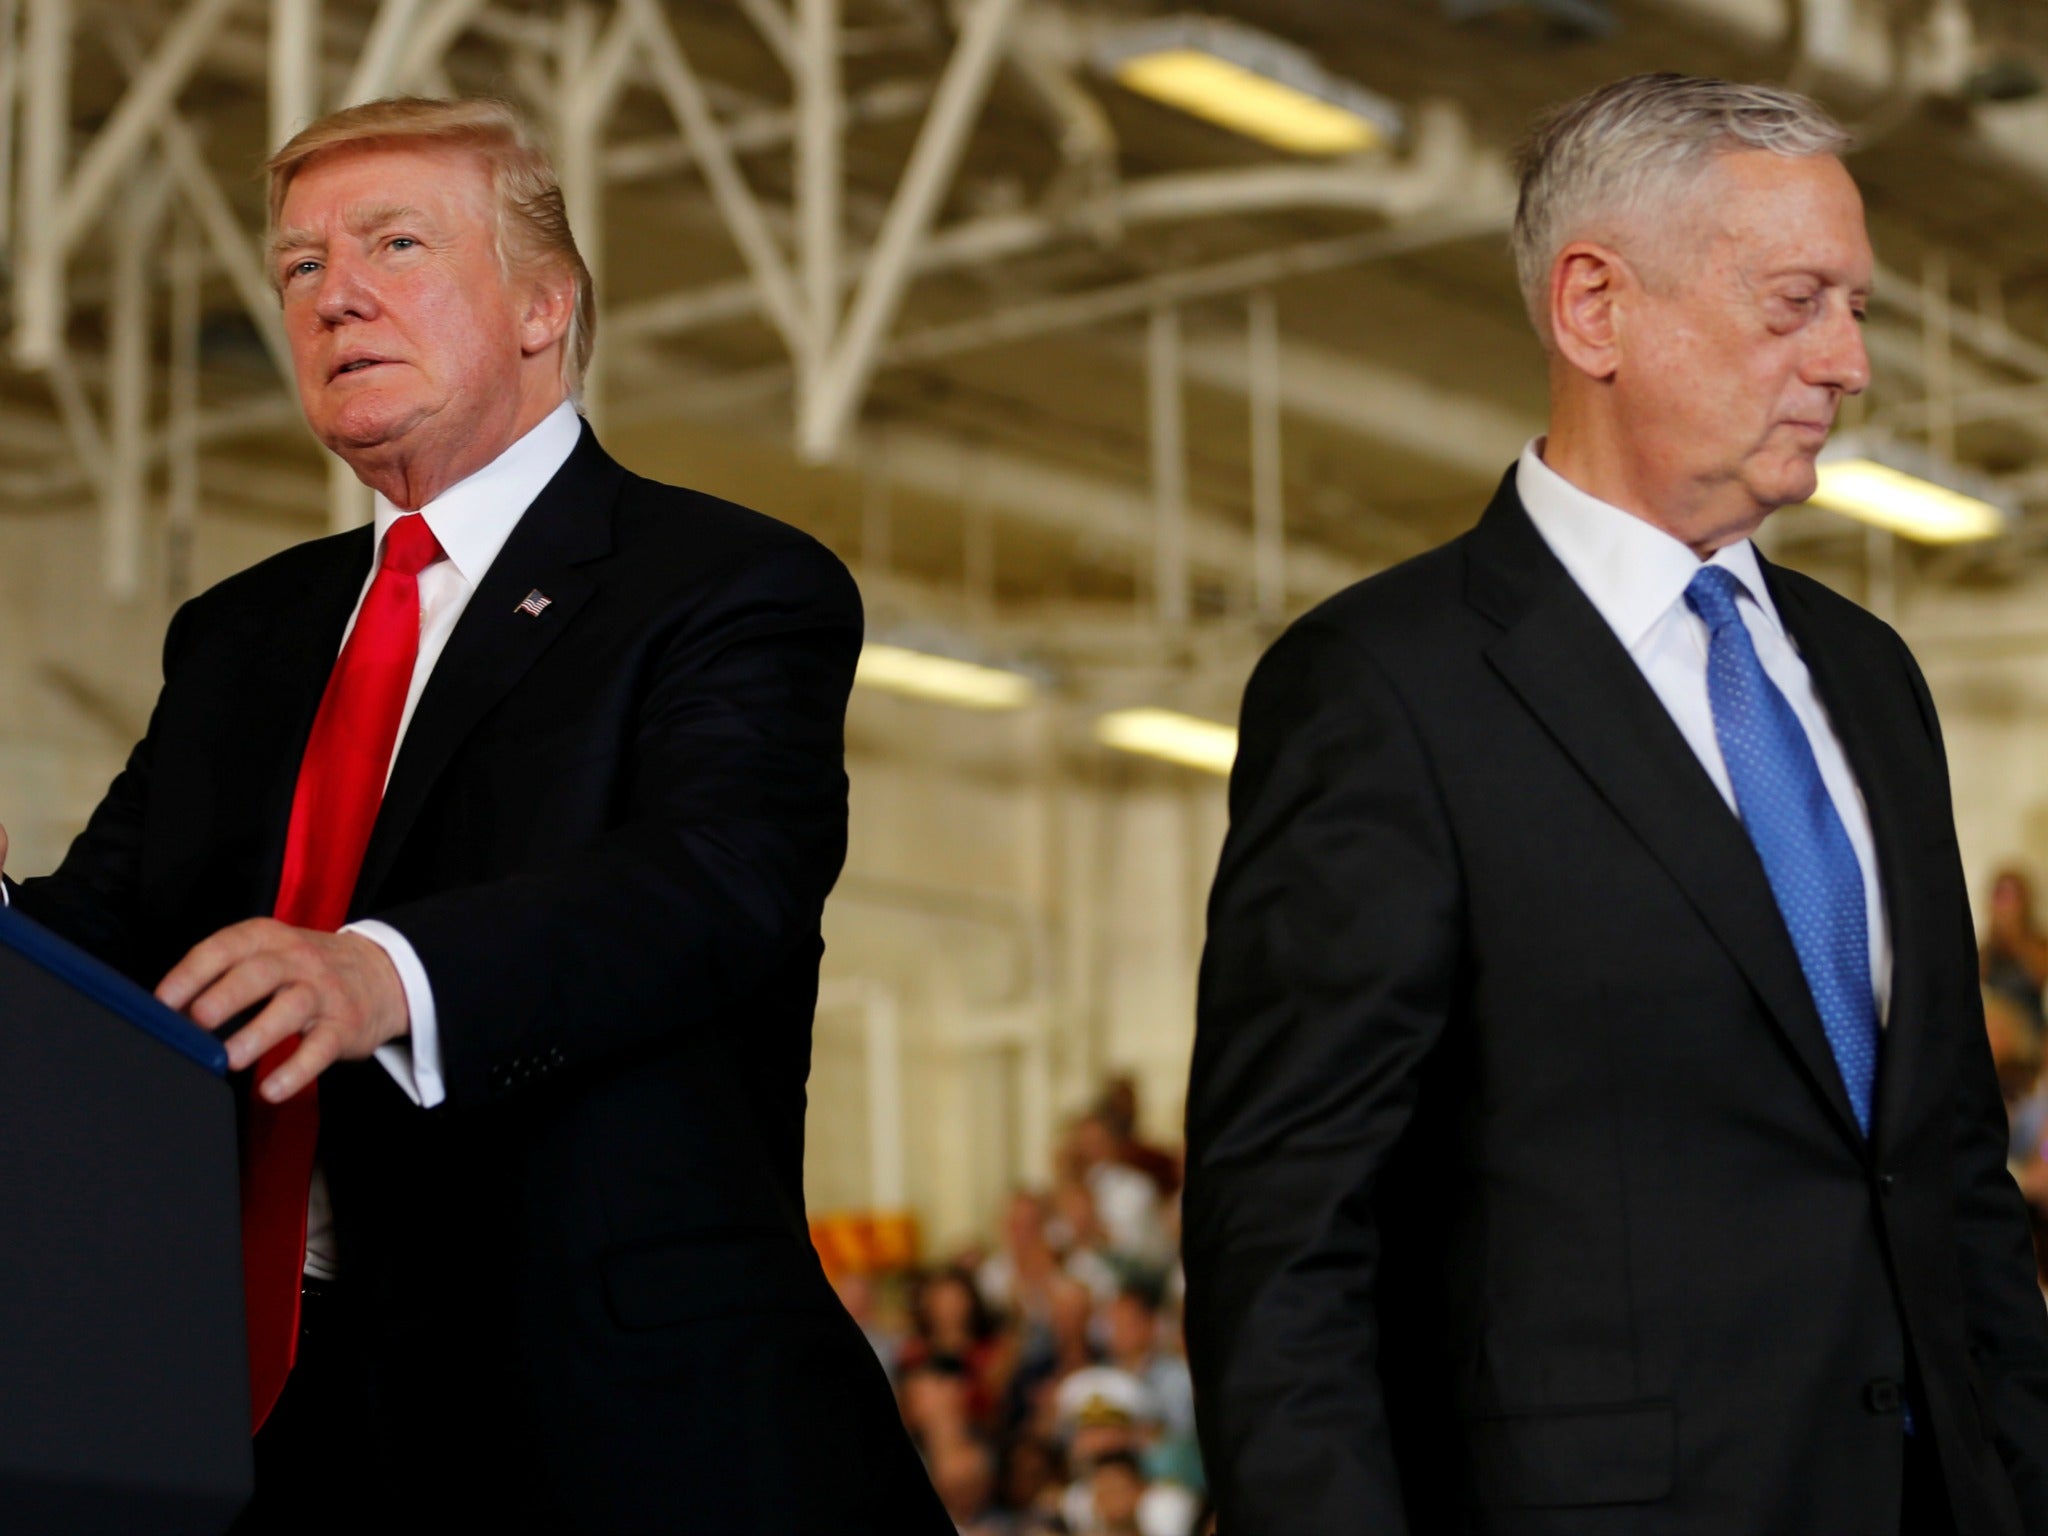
1042	1374
2013	968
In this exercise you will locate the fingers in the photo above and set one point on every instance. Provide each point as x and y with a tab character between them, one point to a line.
320	1050
289	1013
3	849
212	958
339	991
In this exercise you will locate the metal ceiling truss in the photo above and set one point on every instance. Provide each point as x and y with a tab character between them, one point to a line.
834	302
142	181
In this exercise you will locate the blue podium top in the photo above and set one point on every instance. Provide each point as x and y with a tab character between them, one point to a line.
111	990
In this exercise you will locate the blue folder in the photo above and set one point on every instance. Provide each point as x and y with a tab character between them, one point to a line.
111	990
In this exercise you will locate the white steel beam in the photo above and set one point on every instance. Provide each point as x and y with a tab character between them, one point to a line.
1099	511
231	247
181	428
592	70
1269	487
146	105
771	20
685	96
45	149
294	67
376	71
428	42
1171	588
1481	204
133	255
940	144
10	87
821	112
81	423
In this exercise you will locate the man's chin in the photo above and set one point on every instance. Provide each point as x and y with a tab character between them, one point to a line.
358	431
1786	484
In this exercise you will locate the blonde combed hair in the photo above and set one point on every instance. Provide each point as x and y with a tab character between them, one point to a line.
532	234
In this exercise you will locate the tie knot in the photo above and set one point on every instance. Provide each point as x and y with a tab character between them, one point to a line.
1711	594
410	547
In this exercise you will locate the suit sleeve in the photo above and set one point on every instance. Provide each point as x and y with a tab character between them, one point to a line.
1329	972
94	897
712	880
2008	1326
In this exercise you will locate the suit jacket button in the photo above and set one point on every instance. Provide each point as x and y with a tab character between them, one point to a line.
1886	1183
1882	1395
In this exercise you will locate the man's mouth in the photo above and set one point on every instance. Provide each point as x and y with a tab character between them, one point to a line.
357	365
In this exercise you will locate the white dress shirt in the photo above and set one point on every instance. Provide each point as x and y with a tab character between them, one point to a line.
1636	574
472	519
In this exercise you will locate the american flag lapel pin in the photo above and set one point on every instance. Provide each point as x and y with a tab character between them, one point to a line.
535	601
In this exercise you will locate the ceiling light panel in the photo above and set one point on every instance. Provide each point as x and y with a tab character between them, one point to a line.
1907	493
1252	83
1167	734
942	679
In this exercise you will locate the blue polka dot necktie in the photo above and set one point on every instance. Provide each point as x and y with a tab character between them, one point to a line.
1798	834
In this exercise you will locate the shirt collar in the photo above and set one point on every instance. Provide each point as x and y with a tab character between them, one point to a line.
1630	570
474	517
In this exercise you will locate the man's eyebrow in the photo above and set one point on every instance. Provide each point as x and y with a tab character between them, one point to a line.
290	240
362	220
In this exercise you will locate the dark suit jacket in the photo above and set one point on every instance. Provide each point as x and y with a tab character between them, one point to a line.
608	833
1523	1193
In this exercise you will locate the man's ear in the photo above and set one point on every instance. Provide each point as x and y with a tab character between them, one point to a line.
550	305
1588	281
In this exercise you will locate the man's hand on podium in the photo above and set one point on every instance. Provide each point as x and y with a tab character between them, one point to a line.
338	991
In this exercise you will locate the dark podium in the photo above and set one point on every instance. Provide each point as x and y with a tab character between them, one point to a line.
124	1388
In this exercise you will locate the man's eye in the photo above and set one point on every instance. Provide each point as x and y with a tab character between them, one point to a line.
301	268
403	242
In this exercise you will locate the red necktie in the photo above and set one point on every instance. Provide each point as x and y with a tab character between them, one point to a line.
341	784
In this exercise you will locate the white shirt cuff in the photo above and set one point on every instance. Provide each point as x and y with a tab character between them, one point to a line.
414	1060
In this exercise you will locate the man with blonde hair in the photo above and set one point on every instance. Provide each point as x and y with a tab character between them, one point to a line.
505	824
1591	1127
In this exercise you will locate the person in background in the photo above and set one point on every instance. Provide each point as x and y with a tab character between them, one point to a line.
1133	1335
1127	1202
1105	1416
1120	1108
1017	1278
858	1294
1033	1478
1115	1494
2013	959
964	1474
952	1324
1074	1228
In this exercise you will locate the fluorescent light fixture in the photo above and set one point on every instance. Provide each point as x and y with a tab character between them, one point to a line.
1911	493
1166	733
1251	83
942	679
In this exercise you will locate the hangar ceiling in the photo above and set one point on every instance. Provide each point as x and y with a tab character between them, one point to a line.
919	276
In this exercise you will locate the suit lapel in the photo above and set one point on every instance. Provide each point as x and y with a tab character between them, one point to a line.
496	642
1567	667
1859	713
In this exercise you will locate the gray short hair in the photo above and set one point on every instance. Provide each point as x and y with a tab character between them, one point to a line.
1637	140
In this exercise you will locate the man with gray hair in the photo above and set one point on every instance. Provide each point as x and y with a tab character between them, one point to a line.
1592	1127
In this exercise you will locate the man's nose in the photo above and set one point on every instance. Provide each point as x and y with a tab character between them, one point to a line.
1842	361
344	292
